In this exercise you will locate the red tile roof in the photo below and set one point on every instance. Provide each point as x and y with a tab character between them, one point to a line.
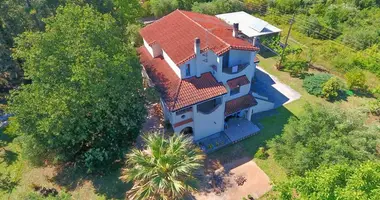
238	104
175	33
175	92
183	122
237	82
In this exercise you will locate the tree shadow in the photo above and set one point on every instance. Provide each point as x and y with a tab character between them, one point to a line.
9	157
265	53
271	124
109	184
363	93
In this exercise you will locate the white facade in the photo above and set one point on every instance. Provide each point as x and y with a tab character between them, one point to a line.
207	123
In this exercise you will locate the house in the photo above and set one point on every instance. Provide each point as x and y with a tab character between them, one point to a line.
203	70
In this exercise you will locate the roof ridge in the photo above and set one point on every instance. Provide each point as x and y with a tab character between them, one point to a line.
204	28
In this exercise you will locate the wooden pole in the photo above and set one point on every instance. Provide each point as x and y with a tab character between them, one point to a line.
286	42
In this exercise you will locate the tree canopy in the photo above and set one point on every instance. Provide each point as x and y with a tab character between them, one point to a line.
325	136
164	169
85	102
341	181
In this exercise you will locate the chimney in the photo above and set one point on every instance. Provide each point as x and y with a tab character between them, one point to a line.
235	30
197	51
197	46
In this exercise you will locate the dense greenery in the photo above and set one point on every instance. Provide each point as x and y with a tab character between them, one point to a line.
218	6
331	88
341	181
313	84
164	168
350	25
355	79
17	16
85	102
296	65
323	135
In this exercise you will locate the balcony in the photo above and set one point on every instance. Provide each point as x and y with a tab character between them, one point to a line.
209	106
235	69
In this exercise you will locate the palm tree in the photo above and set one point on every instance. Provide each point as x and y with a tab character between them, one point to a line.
164	169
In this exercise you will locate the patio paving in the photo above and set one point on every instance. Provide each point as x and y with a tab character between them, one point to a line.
257	182
239	129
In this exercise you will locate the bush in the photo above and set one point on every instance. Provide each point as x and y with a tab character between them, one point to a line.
331	88
374	107
355	79
295	65
261	153
314	84
218	6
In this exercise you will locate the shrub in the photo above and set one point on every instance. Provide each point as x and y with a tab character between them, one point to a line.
331	88
355	79
314	84
295	65
261	153
218	6
374	107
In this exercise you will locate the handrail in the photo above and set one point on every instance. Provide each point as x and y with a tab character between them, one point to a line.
241	67
210	111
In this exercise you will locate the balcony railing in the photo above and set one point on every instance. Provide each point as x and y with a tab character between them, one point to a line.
235	69
209	106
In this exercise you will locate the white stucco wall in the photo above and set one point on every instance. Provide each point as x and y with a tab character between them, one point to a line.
239	57
171	63
205	61
208	124
245	89
178	118
149	48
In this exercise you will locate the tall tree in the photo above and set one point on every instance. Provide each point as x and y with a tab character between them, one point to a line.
85	103
324	135
164	169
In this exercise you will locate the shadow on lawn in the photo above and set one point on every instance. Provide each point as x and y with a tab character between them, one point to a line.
271	124
108	184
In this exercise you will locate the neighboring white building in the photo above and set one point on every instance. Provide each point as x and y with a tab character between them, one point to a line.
252	27
202	69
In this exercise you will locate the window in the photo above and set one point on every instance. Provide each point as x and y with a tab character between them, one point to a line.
188	70
235	91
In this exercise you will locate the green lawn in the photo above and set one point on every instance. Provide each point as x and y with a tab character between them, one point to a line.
273	125
67	178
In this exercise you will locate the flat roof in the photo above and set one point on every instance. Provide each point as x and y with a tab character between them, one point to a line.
249	25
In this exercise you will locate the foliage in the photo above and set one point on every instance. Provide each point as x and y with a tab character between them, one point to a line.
218	6
287	6
296	65
355	79
74	110
163	170
361	39
331	88
314	84
256	6
340	181
133	35
324	135
163	7
61	196
261	153
374	107
6	182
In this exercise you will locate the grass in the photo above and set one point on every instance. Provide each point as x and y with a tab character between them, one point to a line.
273	122
70	179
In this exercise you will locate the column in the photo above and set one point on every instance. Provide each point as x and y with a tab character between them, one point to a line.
249	115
